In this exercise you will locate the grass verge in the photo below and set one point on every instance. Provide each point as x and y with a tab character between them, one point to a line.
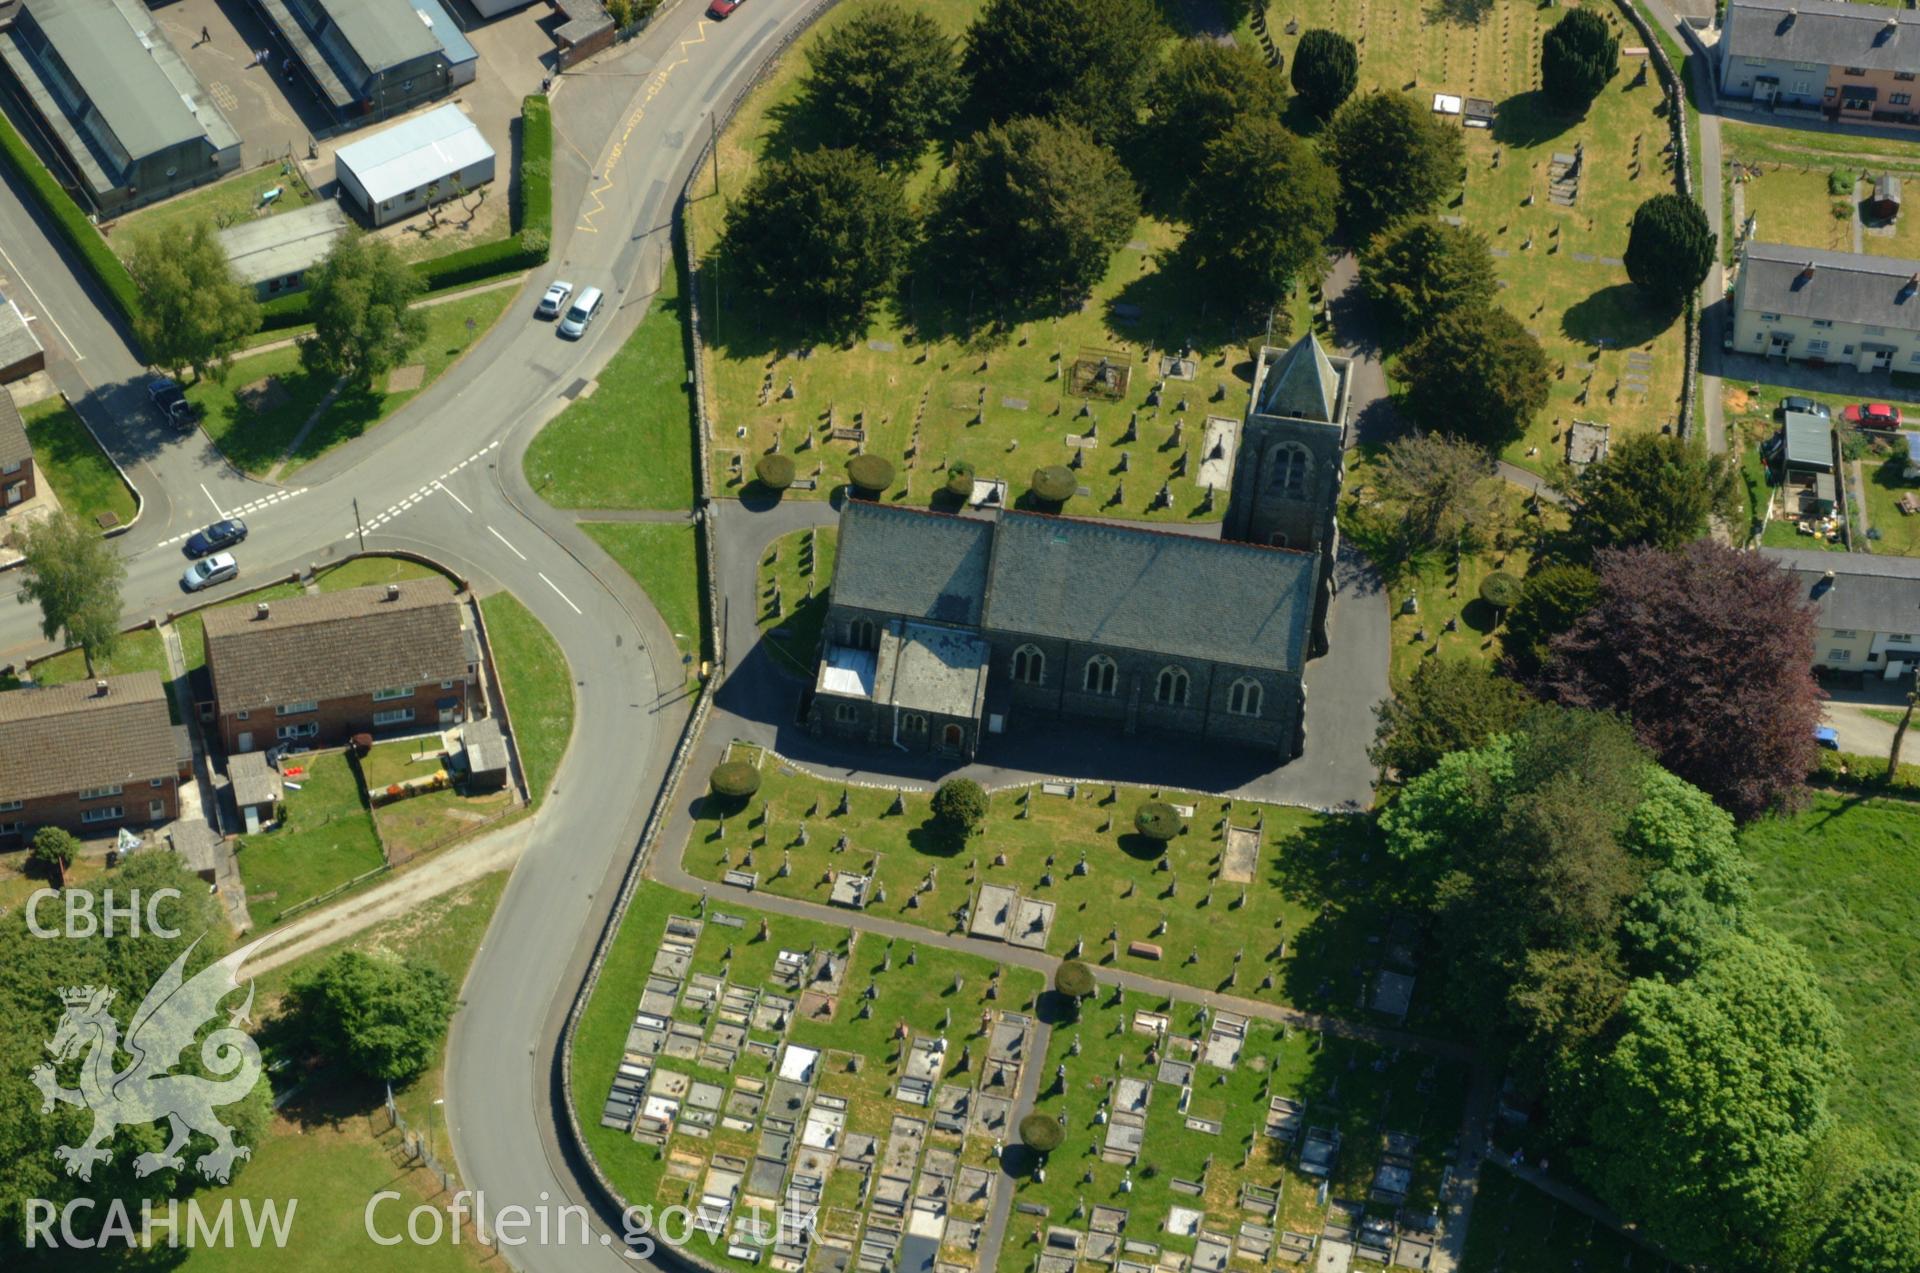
664	559
72	463
539	688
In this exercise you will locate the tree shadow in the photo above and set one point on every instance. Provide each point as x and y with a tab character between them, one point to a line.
1142	848
930	839
1616	317
1529	119
1174	305
1460	13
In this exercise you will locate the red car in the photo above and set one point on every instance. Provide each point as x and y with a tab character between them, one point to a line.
721	8
1863	415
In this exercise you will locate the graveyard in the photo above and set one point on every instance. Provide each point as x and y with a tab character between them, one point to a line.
1207	1138
753	1068
795	574
1270	902
1553	195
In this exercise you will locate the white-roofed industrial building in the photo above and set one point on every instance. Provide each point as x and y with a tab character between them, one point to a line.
394	173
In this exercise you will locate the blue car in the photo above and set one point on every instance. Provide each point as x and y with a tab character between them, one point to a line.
222	534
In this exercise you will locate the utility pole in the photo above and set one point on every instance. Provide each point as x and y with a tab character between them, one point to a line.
358	529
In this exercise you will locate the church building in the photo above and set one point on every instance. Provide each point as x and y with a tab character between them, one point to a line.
943	629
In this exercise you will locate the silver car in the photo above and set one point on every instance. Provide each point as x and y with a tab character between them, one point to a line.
554	301
209	571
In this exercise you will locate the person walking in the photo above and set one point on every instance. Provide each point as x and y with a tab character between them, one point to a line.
206	36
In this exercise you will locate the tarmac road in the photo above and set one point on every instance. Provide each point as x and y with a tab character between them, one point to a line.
443	477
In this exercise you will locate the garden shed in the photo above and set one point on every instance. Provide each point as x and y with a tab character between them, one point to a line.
1885	204
256	788
1910	448
484	751
1809	447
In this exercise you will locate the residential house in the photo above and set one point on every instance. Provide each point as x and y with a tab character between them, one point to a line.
1853	62
371	59
941	629
319	669
17	479
1836	308
113	98
92	757
1868	606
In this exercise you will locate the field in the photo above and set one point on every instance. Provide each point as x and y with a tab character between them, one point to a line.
1308	931
1843	880
664	559
259	416
326	839
629	444
797	570
72	463
539	689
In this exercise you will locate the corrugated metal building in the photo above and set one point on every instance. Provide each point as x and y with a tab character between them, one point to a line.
392	174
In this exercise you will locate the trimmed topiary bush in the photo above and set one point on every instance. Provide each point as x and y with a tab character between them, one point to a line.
1158	820
775	472
1041	1133
1073	979
869	475
734	780
960	479
1054	484
1501	590
960	805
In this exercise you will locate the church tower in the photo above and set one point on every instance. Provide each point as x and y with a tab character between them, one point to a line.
1288	471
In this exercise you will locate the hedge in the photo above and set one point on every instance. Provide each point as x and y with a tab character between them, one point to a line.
1158	820
75	226
775	472
870	473
532	205
1054	484
734	780
1848	771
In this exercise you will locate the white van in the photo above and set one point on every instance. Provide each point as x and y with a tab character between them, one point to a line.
581	316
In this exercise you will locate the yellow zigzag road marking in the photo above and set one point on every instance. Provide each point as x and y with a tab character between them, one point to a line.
654	85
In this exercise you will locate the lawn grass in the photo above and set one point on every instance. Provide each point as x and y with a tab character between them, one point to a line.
1791	205
221	205
1310	922
326	839
1518	1229
538	686
664	559
255	415
1886	481
433	819
141	650
629	445
365	571
800	566
1843	880
1782	532
72	463
941	987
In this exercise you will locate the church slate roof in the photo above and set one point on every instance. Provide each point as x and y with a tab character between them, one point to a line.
1150	590
908	562
1078	580
1303	385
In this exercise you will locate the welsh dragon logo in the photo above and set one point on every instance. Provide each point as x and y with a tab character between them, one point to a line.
165	1025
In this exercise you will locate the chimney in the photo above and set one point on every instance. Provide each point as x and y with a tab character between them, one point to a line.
260	610
99	689
393	592
1828	576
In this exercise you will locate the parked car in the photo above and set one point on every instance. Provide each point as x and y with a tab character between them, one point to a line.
1872	415
721	8
1828	737
1806	406
554	301
171	402
222	534
209	571
581	316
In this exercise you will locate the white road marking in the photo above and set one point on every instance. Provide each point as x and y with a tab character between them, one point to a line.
556	589
503	539
44	312
244	510
217	510
450	495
